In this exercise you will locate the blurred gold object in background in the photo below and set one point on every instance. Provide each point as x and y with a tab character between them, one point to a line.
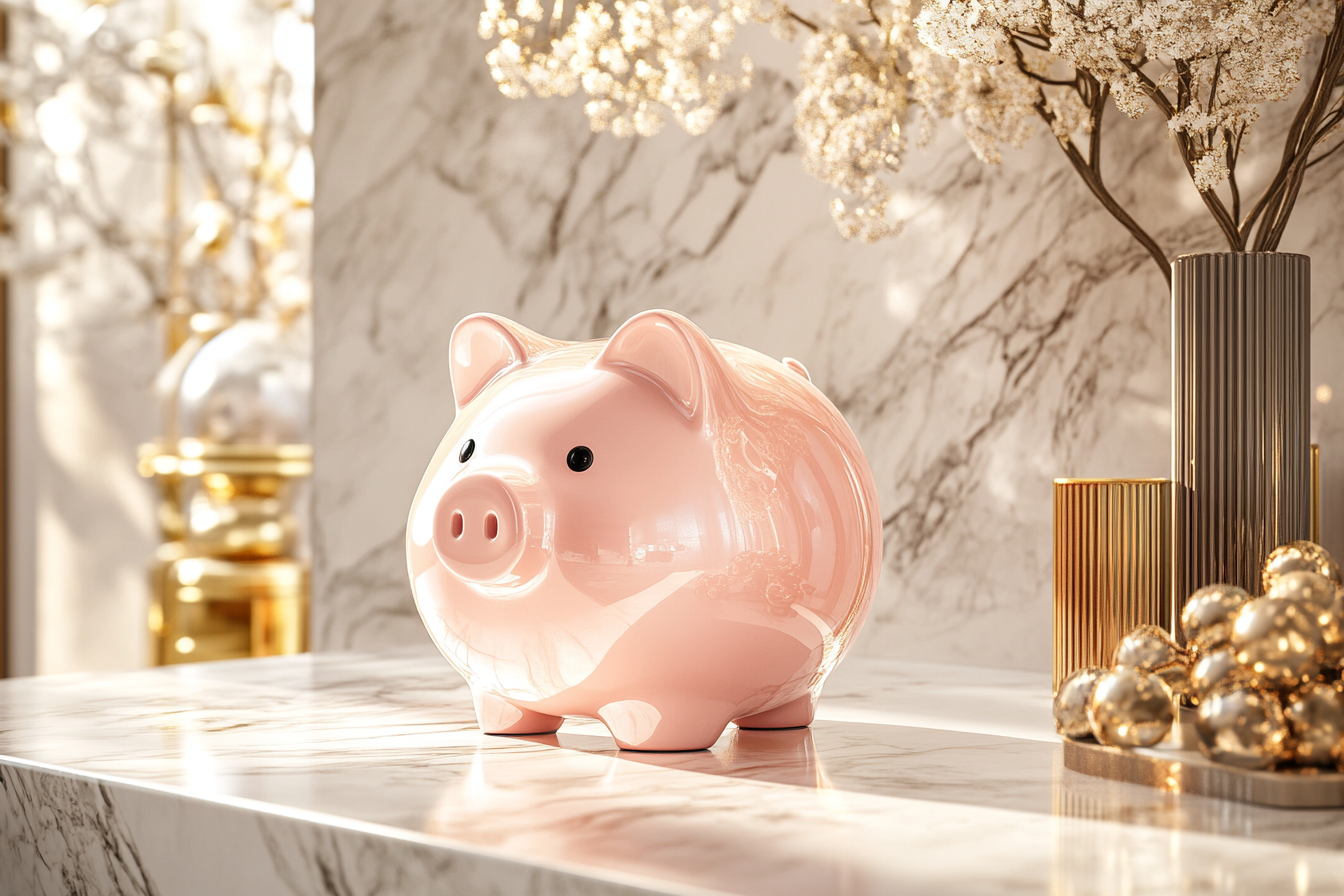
228	585
1112	566
230	579
166	167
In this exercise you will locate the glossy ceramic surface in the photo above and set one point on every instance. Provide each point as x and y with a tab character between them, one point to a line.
660	531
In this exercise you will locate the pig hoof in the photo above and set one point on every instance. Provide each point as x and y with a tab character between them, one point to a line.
636	725
794	714
496	715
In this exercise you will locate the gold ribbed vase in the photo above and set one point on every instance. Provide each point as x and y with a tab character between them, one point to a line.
1112	566
1241	439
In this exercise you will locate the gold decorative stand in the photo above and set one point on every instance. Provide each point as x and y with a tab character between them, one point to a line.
224	585
1178	766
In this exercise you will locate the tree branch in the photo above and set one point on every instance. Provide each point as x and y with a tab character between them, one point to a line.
1331	121
1211	200
1094	141
1035	41
1297	150
1053	82
1232	148
800	20
1327	154
1090	169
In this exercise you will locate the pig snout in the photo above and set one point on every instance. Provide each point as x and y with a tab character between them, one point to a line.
481	529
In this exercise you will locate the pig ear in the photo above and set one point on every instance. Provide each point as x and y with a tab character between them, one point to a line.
657	346
797	367
482	347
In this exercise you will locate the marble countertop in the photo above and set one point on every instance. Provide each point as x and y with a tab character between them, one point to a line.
915	778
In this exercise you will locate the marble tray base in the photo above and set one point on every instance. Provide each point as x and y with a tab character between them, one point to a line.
1177	766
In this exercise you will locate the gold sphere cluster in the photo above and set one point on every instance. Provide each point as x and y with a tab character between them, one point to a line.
1264	673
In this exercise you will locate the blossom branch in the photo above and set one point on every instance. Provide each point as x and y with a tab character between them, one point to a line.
1206	65
1233	149
1183	142
1327	154
1053	82
1098	106
1332	124
1297	151
1090	168
810	26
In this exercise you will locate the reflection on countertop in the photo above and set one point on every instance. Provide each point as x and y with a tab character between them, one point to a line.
368	770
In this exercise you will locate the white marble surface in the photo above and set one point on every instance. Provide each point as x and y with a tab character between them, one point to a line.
1013	334
361	773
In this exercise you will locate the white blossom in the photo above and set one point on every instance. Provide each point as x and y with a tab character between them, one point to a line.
1211	167
999	66
849	127
638	61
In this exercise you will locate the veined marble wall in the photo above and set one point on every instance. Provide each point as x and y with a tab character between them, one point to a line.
1012	334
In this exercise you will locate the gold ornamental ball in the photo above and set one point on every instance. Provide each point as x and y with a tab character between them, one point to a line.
1319	597
1177	680
1071	702
1315	714
1213	669
1300	556
1206	621
1243	726
1148	647
1332	632
1304	587
1277	641
1130	708
1151	649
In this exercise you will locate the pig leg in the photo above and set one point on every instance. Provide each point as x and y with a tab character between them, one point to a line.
794	714
496	715
671	725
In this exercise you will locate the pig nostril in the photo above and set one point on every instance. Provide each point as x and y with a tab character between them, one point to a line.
491	526
457	524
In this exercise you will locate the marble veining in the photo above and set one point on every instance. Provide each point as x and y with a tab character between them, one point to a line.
1013	333
361	773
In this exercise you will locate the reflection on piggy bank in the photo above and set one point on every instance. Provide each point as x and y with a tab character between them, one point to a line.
659	531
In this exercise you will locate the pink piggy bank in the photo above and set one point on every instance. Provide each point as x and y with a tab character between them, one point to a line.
660	531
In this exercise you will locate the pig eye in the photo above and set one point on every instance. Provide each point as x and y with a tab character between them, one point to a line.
580	458
467	451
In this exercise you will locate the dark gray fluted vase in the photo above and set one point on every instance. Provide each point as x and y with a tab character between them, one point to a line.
1241	437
